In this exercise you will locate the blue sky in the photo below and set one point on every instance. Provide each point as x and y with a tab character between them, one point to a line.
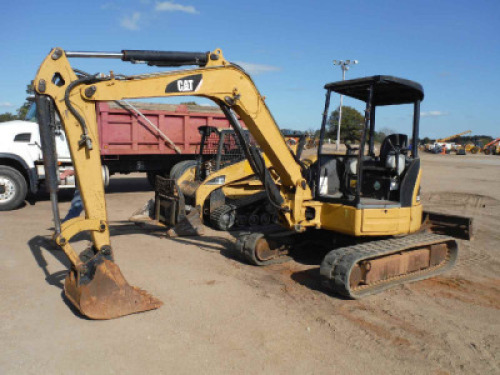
451	47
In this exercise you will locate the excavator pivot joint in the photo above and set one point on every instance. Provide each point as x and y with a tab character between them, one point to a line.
60	240
90	91
42	86
56	55
106	251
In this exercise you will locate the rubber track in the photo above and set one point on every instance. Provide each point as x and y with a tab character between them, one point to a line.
246	247
216	215
236	205
337	265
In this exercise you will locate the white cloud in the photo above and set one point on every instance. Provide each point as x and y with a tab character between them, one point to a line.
433	114
252	68
131	22
110	6
170	6
6	104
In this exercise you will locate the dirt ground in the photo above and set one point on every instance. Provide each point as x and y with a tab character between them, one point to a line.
223	316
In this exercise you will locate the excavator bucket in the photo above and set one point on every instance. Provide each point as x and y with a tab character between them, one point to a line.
99	291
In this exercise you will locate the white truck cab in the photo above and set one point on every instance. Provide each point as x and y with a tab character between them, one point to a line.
21	160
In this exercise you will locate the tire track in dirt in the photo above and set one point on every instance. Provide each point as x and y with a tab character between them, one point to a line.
300	287
482	293
484	210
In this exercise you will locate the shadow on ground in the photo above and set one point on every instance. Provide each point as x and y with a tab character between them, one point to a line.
43	246
40	246
309	252
116	185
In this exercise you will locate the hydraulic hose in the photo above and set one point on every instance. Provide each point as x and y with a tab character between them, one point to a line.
46	122
84	79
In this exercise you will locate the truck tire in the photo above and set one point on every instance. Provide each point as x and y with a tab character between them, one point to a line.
181	167
13	188
152	178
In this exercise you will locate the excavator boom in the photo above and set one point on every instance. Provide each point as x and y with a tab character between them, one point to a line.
95	285
454	136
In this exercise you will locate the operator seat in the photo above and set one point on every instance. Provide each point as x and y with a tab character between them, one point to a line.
392	142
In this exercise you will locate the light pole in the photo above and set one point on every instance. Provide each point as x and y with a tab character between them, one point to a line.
344	65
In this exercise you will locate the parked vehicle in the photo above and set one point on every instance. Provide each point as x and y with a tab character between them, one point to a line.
21	162
151	137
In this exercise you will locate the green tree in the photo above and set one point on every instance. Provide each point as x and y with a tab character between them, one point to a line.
351	127
379	136
23	110
7	116
425	140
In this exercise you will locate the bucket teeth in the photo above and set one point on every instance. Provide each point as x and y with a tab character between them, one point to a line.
101	292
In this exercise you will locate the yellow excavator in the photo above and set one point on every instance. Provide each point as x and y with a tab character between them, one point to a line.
372	199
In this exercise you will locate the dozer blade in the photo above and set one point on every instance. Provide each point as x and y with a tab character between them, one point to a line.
99	291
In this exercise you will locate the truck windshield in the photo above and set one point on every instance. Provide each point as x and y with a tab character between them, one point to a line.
31	114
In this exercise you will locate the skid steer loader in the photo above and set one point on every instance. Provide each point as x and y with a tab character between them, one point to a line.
232	199
221	201
373	199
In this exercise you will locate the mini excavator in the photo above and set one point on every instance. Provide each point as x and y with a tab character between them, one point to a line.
373	199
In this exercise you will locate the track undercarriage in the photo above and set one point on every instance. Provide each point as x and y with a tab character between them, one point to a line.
365	268
251	211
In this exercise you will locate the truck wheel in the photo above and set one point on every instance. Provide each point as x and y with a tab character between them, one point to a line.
181	167
152	178
13	188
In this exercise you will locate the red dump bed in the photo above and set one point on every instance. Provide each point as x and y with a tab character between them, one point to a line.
123	132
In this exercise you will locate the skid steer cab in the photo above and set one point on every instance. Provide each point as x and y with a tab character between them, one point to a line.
178	199
220	187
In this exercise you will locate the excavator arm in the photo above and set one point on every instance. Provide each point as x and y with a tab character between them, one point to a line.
74	94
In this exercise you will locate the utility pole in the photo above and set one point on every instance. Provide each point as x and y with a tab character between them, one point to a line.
344	65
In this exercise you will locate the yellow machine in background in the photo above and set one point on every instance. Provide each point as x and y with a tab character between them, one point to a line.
492	148
372	199
220	187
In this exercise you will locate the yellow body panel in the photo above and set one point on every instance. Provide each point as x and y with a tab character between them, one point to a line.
385	221
234	175
370	221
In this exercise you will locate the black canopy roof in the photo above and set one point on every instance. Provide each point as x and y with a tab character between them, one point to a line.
387	89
